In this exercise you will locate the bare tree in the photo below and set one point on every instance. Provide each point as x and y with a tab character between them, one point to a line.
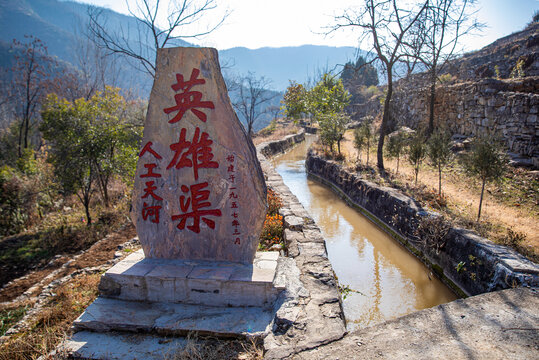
30	81
388	25
96	68
250	94
440	28
149	32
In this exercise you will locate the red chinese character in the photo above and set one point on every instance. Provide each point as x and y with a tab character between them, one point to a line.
148	147
231	177
150	172
232	195
230	168
188	100
236	232
197	202
234	214
234	205
237	241
230	158
235	223
151	211
198	154
149	191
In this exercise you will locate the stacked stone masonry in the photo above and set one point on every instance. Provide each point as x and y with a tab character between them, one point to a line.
504	108
488	266
480	97
309	310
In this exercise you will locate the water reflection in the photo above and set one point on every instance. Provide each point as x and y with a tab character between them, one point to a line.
391	281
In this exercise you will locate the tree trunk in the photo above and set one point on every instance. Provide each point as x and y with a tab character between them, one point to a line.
20	138
416	173
368	148
385	119
27	125
432	97
87	209
398	158
439	180
481	199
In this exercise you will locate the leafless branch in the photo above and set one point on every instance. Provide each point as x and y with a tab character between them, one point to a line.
141	40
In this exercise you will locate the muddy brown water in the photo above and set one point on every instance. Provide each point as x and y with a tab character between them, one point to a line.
390	282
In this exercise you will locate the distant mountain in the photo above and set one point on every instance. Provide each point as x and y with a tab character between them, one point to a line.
61	25
300	63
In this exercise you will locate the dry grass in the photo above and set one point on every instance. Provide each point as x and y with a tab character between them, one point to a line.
282	129
508	209
60	232
52	325
211	348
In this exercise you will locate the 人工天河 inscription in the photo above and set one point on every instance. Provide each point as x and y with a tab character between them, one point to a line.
199	190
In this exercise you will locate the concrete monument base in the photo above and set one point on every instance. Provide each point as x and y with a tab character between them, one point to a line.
214	283
178	296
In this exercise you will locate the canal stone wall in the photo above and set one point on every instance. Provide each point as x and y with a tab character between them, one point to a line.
272	148
309	311
468	263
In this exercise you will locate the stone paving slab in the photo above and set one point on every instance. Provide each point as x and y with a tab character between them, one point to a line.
176	319
498	325
120	346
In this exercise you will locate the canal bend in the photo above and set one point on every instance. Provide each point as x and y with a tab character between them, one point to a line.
385	280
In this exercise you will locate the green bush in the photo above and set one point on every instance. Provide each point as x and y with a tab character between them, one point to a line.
17	201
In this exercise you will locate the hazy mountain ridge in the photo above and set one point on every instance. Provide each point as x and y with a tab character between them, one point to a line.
60	25
299	63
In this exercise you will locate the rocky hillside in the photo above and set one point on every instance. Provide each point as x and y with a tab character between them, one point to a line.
504	53
492	90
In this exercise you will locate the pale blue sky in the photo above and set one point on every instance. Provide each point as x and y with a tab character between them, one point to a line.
259	23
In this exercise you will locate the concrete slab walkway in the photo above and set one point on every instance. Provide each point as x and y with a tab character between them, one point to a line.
498	325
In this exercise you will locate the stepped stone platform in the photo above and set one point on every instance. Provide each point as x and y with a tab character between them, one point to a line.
193	282
173	319
173	297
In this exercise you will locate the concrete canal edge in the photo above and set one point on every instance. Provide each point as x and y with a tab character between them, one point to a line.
485	266
498	325
309	312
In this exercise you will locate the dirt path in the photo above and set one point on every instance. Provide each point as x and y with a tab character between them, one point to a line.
462	196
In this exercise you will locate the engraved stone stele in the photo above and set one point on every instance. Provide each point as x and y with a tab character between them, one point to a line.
199	204
199	190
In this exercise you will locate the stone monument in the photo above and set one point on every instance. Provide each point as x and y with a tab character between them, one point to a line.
199	204
199	189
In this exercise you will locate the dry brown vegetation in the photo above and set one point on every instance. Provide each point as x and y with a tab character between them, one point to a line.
275	132
510	209
212	348
51	325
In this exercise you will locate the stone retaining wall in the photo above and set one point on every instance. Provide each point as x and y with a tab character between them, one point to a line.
485	266
271	148
508	108
309	310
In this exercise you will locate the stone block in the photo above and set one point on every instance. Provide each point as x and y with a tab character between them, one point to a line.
293	223
293	236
